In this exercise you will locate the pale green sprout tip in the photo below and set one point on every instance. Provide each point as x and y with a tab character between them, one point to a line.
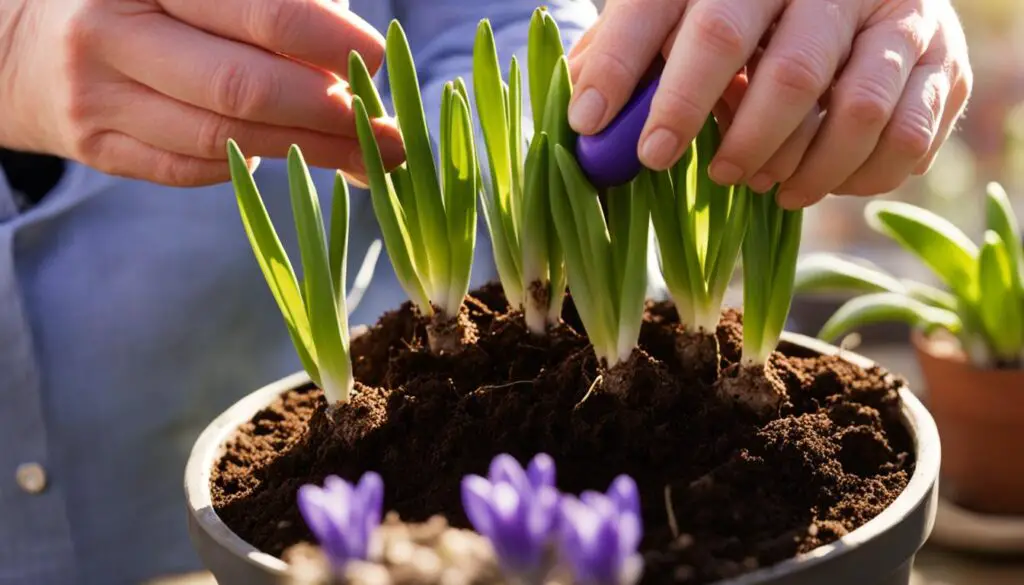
315	311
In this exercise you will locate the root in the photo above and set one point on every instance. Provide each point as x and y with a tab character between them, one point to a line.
756	388
448	335
619	378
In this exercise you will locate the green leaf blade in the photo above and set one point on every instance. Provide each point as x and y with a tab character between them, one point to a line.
405	89
633	272
337	251
461	197
272	259
831	273
1003	221
544	48
321	301
388	210
361	84
934	240
999	306
595	243
886	307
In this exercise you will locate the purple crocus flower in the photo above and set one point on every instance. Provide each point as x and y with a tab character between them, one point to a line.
516	509
600	534
343	517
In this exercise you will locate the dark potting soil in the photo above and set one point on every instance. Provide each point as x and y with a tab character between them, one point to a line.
744	493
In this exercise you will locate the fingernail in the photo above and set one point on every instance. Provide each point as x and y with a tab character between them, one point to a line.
725	173
659	149
357	181
791	199
391	150
587	111
761	182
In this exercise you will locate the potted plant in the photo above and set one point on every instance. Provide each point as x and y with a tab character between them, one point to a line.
743	461
968	337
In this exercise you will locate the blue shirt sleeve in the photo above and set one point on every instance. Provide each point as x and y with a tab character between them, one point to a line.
441	34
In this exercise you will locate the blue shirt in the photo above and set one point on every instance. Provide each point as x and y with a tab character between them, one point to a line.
131	314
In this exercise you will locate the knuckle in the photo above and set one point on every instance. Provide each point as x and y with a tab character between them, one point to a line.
213	133
676	107
168	169
912	33
803	74
278	23
239	91
609	69
83	28
912	137
721	28
867	103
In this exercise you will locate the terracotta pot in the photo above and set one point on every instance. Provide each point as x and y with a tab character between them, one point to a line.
881	552
980	415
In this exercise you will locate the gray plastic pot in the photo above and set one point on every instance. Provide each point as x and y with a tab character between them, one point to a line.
879	553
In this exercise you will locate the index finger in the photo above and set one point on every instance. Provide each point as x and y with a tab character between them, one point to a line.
630	36
318	32
715	41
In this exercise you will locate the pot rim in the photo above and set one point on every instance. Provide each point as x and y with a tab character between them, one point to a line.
210	444
925	345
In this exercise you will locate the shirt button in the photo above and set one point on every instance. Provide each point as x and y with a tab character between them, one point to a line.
31	477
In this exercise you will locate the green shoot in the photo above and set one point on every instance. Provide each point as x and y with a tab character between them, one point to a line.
769	268
316	313
606	259
517	199
427	216
700	227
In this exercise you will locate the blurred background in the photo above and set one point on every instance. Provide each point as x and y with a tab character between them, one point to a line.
987	146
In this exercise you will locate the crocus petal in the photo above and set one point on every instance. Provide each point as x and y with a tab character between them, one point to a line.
624	493
371	495
600	534
310	501
599	503
542	517
604	555
476	493
342	517
541	471
505	469
505	503
630	534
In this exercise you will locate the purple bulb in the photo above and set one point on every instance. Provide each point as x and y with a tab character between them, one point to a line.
610	158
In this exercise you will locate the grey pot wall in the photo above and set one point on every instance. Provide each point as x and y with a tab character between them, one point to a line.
879	553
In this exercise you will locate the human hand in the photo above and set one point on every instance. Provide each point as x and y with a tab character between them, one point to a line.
822	96
153	89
